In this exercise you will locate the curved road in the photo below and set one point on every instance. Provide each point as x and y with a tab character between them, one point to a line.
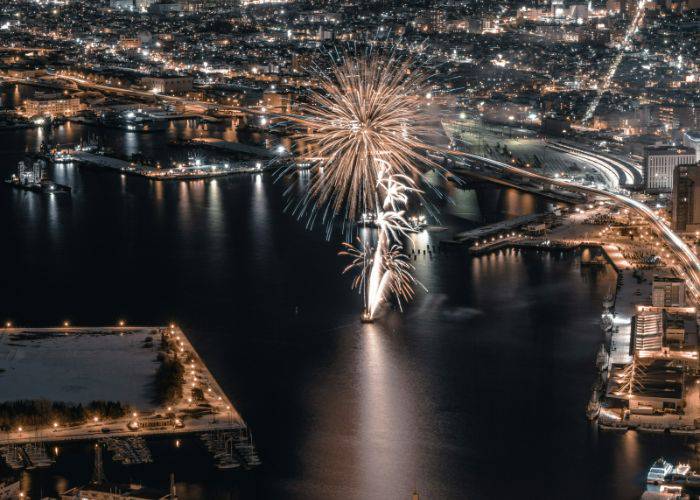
690	264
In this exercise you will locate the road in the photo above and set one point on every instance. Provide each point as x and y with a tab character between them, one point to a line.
607	80
627	173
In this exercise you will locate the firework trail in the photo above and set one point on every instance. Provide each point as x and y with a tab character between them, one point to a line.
365	126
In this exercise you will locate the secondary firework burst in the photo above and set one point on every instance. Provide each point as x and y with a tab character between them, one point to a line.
365	127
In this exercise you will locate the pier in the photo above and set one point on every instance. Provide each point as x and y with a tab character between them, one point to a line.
195	171
213	412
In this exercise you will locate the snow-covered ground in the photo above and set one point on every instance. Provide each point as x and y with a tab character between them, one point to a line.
79	366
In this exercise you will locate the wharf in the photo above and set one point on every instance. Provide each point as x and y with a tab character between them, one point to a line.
214	413
173	173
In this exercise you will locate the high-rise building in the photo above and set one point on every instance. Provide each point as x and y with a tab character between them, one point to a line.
686	199
660	163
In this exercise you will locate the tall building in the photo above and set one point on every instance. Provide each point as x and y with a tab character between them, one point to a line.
660	163
686	199
668	291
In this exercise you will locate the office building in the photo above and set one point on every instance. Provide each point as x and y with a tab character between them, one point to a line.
660	163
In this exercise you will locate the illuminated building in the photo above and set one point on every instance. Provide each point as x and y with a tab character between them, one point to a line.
659	165
52	106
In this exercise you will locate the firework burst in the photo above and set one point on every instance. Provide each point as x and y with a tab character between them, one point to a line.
367	118
365	127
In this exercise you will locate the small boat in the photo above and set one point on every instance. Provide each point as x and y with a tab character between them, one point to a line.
593	408
602	359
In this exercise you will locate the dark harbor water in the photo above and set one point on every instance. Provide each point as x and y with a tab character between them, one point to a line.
477	391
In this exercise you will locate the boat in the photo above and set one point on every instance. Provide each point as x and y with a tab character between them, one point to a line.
686	430
593	408
658	471
133	121
602	359
61	157
606	323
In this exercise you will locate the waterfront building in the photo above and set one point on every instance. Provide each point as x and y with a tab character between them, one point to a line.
652	386
668	291
686	199
52	106
648	331
660	163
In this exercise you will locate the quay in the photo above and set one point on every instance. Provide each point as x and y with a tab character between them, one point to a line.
196	171
214	413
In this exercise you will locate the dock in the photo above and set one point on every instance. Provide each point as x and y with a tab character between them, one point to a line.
214	413
171	173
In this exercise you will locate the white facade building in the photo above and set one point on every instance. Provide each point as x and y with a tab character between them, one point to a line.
660	162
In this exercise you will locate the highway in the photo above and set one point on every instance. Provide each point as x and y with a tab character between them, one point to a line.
622	173
689	262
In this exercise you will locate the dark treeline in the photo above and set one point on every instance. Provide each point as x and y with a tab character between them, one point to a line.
169	379
43	413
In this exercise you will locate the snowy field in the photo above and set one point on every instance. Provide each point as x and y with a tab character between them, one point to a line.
79	367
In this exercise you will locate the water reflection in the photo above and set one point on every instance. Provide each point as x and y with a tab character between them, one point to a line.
386	448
